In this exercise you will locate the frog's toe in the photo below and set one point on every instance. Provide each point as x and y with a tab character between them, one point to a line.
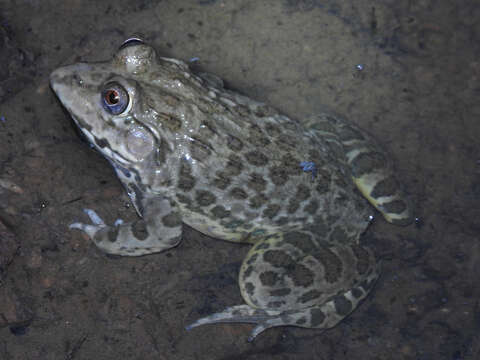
90	230
94	217
243	314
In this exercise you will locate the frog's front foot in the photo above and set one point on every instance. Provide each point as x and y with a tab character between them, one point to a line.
158	230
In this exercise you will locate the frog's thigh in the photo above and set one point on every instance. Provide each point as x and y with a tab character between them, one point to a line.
158	230
313	284
371	169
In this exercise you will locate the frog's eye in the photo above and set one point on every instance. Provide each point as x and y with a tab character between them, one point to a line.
114	98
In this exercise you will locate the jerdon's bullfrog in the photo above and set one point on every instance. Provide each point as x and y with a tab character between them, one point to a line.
190	151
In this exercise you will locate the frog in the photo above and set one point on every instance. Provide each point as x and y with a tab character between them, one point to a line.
188	150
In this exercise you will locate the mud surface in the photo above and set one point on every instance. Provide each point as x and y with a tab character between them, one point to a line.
407	71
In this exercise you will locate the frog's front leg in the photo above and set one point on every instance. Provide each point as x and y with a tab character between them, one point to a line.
160	228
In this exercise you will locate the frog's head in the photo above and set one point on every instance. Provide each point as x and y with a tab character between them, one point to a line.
124	106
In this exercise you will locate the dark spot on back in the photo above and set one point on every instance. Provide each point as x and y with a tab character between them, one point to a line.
220	212
256	158
273	129
257	182
291	164
286	142
186	181
315	156
184	199
278	175
293	206
234	166
323	181
301	241
234	143
242	110
171	122
238	193
200	149
257	201
271	210
257	137
303	192
222	180
204	198
282	220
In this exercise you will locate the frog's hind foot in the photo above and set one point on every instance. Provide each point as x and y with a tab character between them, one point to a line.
243	314
323	316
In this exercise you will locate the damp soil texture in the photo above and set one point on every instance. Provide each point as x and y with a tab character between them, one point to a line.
407	71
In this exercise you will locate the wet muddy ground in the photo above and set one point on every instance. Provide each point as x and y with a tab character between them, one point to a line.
408	72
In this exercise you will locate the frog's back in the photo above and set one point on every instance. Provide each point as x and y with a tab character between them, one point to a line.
252	171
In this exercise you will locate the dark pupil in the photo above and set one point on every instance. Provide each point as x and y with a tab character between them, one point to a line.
112	97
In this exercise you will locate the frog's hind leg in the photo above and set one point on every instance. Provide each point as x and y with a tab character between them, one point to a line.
292	280
370	168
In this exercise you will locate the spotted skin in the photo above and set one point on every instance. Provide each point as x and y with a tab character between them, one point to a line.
189	151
